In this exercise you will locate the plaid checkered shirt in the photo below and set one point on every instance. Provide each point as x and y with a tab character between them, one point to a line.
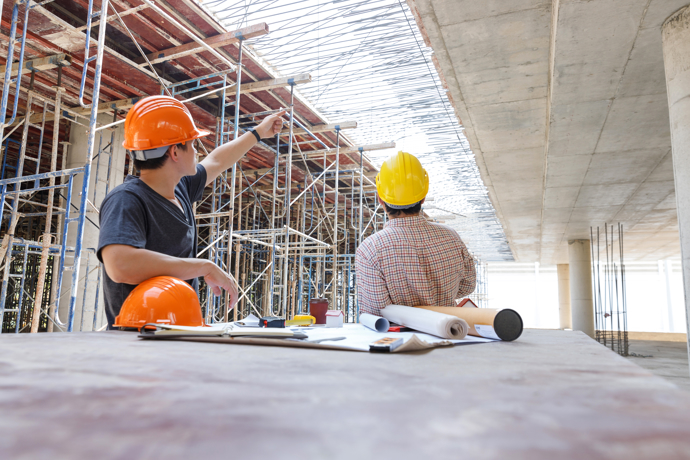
413	262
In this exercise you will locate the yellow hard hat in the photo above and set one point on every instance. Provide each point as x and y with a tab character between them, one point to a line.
402	181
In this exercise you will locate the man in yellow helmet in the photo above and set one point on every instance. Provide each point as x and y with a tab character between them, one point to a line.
147	225
411	261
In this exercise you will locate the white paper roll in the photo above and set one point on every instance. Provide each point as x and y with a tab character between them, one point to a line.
375	323
438	324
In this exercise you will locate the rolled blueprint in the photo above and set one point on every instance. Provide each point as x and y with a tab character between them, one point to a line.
375	323
503	324
438	324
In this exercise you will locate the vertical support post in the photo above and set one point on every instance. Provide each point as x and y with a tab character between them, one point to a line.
361	192
564	296
87	167
334	287
238	246
8	67
46	239
581	302
14	216
675	35
56	276
288	189
21	288
236	134
668	270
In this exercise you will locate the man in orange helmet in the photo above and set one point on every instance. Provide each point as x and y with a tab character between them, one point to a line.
147	225
411	261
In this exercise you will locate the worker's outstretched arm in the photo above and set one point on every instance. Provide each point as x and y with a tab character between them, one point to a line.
130	265
225	156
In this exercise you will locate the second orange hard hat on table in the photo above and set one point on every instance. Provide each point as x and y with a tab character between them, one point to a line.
162	300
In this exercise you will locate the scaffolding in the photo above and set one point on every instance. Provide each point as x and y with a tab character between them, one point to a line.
286	220
371	63
480	296
295	205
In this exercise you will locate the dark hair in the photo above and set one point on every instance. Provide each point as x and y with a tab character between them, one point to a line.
408	212
156	163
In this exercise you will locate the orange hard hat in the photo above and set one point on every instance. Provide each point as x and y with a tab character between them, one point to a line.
163	300
155	122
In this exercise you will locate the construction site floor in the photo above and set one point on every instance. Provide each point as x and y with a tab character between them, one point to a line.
551	394
663	358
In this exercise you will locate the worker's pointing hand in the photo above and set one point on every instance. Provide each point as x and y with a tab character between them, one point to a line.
271	125
218	281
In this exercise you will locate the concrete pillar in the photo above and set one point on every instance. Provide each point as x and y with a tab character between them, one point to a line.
675	35
581	304
99	176
564	296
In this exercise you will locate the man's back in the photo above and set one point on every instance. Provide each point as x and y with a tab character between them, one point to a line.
413	262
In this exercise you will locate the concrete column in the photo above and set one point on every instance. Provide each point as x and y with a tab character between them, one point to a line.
564	296
99	176
581	304
675	35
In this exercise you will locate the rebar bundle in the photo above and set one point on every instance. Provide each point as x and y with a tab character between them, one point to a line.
608	283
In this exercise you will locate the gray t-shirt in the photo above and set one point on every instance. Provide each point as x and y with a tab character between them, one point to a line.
136	215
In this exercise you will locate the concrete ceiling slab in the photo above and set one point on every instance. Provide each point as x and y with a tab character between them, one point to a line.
636	122
560	197
664	170
593	40
567	170
510	126
622	166
645	71
575	128
456	12
557	215
652	193
605	195
659	11
516	166
566	111
592	215
667	203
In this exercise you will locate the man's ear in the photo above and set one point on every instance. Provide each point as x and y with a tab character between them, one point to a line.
173	153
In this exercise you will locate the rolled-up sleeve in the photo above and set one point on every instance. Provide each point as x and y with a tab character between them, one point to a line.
122	220
371	286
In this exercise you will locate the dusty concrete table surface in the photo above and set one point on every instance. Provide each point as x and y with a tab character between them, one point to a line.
550	395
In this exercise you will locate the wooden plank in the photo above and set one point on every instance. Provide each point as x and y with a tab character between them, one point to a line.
346	150
322	128
113	17
125	104
216	41
343	167
41	64
265	85
122	104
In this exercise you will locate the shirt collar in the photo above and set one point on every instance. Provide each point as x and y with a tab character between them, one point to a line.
411	221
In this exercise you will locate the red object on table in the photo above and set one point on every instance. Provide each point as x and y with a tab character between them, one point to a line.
467	303
318	309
